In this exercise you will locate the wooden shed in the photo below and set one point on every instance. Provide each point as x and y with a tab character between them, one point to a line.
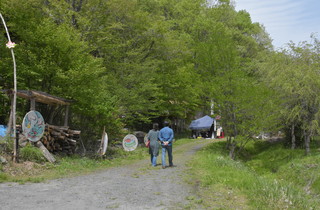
42	97
56	138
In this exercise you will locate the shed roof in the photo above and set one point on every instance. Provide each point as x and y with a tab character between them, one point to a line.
39	96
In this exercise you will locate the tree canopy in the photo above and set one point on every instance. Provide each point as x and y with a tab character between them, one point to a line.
126	63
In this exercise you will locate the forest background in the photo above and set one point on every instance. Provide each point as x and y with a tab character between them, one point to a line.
126	64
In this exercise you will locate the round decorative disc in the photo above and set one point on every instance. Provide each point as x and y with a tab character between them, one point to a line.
130	142
33	126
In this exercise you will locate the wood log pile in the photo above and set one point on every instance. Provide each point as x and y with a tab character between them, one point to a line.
60	139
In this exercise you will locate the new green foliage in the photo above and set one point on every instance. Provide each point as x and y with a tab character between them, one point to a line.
293	74
227	45
52	58
125	63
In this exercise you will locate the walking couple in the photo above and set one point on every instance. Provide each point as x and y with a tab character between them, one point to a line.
165	137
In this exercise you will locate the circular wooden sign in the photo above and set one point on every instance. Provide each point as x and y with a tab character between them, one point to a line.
33	126
130	142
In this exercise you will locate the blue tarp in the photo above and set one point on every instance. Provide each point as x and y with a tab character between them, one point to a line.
3	130
201	123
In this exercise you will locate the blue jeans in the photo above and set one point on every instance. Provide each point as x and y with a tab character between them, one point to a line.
153	160
163	157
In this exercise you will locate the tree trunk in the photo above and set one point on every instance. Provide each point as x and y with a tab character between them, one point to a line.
234	123
293	138
232	149
307	142
228	142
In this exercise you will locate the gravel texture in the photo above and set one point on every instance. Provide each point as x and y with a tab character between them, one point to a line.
135	186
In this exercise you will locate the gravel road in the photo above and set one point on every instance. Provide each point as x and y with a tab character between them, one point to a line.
135	186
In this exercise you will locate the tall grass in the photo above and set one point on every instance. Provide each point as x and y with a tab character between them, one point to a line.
265	180
31	153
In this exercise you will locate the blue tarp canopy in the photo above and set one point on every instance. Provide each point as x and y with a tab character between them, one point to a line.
201	123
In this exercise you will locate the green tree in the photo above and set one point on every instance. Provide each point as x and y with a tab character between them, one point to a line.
227	45
147	54
53	58
293	73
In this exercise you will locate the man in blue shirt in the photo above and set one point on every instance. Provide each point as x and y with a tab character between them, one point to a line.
166	137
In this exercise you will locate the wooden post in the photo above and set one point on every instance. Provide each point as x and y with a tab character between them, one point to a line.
17	146
52	110
32	104
45	152
66	115
14	92
10	119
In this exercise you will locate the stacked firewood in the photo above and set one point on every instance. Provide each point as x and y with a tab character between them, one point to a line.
60	139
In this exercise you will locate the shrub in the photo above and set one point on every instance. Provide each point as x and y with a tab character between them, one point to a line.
31	153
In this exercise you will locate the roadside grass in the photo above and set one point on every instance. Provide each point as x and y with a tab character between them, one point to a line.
292	166
33	167
267	176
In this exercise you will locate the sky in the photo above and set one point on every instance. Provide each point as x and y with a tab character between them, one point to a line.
285	20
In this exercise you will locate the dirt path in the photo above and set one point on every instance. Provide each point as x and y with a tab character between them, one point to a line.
136	186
